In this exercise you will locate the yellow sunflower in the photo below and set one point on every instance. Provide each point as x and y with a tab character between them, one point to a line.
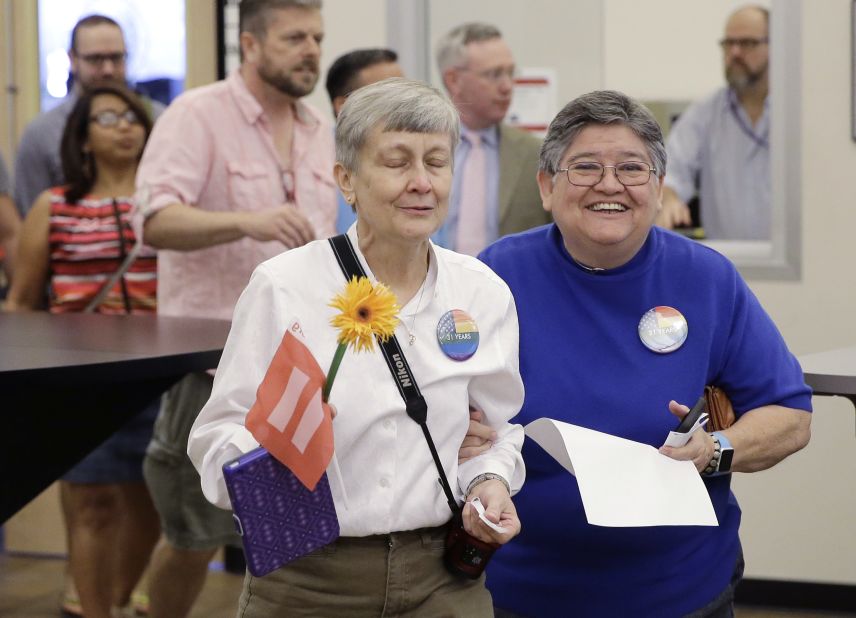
366	310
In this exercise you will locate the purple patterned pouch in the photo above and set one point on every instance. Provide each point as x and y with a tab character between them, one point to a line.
279	520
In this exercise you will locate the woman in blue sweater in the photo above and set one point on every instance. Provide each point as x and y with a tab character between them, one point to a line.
619	320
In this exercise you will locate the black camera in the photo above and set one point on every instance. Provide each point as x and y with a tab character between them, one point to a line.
466	555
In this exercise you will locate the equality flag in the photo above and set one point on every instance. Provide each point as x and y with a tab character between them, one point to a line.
288	418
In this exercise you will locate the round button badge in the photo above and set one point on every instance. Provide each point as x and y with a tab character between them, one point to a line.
663	329
457	335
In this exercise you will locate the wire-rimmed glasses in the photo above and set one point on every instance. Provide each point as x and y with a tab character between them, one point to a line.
590	173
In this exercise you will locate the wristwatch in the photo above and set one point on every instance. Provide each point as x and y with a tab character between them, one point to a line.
723	453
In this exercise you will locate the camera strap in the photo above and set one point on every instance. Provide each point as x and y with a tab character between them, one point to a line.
417	408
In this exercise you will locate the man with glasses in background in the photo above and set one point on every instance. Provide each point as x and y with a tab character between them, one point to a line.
719	148
97	54
494	191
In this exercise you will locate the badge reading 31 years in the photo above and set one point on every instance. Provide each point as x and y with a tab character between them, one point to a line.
458	335
663	329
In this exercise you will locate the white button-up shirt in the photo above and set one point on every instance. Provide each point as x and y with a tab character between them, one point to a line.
383	478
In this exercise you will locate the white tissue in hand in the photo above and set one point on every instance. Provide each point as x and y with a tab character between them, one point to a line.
479	507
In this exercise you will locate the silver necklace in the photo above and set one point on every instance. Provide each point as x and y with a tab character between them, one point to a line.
411	338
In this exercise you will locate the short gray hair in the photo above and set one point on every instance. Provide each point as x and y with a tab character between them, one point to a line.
601	107
253	15
394	104
452	48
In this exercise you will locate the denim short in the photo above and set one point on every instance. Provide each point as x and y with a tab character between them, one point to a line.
119	459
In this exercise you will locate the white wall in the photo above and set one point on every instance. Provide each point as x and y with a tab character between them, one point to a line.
348	25
664	50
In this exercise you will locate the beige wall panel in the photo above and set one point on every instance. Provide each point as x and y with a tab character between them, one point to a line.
798	517
19	72
38	527
348	25
201	24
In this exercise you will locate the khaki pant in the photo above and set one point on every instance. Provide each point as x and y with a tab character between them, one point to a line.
399	574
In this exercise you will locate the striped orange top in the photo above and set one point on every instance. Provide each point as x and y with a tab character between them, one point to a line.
86	247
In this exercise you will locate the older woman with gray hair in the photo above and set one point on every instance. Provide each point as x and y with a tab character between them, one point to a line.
619	320
394	146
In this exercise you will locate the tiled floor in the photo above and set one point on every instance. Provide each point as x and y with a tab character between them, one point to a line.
30	588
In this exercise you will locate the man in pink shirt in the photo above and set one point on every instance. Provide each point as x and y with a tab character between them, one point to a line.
235	173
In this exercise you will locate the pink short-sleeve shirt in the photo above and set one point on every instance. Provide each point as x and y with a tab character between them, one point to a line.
213	149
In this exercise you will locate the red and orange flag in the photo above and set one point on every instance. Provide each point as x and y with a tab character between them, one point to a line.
289	418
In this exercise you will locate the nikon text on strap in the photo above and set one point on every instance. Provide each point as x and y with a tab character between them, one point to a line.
417	409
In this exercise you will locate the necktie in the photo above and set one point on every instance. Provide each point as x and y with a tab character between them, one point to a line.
471	234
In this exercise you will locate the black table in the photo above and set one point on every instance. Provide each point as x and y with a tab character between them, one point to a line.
831	373
67	382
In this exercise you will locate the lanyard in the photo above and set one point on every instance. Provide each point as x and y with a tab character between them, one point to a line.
417	408
760	140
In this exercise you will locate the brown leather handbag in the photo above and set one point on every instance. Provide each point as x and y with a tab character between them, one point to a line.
719	409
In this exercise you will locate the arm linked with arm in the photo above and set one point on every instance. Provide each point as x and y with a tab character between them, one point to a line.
500	395
497	473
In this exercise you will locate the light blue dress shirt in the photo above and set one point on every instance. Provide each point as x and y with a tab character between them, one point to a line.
714	151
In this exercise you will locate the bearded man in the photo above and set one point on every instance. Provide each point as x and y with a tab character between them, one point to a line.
235	173
719	149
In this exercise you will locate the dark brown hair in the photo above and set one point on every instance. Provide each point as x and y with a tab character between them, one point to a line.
253	15
78	168
342	74
88	22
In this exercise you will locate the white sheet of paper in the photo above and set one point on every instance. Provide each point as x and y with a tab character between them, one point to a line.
625	483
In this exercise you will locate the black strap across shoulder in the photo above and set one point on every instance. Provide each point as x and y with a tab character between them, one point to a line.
126	299
417	409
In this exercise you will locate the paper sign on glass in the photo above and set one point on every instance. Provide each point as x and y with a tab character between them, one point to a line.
625	483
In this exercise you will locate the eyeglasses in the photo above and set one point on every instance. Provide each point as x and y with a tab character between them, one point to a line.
495	75
590	173
108	118
100	59
743	44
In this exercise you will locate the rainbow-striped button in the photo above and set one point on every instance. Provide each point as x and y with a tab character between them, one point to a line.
458	335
